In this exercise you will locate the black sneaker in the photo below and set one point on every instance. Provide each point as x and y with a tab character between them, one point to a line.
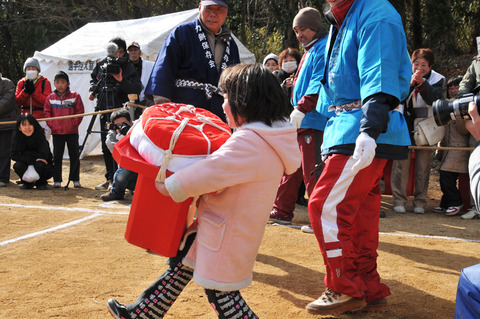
107	197
26	186
117	310
42	187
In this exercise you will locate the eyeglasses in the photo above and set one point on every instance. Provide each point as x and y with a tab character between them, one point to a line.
215	9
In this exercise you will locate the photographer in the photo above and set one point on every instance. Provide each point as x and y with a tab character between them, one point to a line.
123	178
113	79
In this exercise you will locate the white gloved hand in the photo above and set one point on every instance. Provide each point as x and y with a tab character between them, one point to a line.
364	152
296	117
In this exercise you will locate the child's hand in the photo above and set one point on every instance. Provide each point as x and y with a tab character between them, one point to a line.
162	189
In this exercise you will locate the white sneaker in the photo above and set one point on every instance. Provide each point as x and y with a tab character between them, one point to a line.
471	214
453	210
399	209
307	229
333	303
419	210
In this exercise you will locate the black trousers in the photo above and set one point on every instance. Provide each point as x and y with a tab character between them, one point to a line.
448	184
5	143
58	149
40	167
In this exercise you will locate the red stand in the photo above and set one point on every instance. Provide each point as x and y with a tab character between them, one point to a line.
156	222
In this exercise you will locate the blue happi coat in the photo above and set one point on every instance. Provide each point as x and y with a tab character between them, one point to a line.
186	54
308	82
368	56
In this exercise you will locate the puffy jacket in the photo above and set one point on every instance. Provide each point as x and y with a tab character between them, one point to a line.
68	104
8	108
35	101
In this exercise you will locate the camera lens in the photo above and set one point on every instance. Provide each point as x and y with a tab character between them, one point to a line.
441	112
444	112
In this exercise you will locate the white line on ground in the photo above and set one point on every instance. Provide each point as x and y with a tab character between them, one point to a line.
75	222
401	235
95	213
71	209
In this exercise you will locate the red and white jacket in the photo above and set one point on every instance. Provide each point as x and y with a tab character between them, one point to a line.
68	104
36	100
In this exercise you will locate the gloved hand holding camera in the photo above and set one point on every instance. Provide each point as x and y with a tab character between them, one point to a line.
29	87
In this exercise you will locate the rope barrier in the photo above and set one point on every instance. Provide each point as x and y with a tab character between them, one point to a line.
83	114
412	147
441	148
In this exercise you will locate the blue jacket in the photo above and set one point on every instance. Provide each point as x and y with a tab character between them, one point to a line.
186	54
308	82
369	61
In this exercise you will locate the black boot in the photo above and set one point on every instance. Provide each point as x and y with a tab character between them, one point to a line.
155	301
229	304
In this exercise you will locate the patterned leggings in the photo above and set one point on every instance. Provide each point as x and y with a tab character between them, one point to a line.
155	301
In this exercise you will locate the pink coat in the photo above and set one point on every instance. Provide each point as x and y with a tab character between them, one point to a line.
245	173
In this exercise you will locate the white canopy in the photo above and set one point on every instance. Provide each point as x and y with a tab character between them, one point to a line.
77	54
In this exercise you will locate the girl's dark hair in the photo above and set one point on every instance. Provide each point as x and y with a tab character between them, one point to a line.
455	81
27	117
254	94
294	53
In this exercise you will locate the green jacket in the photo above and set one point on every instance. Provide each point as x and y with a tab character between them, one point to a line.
471	79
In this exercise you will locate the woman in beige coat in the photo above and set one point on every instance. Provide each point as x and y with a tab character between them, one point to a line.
241	179
452	163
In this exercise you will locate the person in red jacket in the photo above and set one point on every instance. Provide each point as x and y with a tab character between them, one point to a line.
32	90
64	102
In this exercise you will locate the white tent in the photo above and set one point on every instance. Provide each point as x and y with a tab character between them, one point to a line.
77	54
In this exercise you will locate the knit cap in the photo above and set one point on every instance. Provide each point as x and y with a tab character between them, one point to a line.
31	62
308	18
271	56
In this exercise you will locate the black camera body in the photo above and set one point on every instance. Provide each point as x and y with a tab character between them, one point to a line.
444	112
123	128
111	66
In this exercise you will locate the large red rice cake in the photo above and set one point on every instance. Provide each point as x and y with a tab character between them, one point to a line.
173	136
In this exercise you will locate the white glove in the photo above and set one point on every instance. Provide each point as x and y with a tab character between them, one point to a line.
364	152
296	117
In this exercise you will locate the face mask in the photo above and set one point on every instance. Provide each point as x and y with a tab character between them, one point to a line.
31	74
289	66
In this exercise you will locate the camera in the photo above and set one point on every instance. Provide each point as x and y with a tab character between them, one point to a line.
123	127
444	112
111	66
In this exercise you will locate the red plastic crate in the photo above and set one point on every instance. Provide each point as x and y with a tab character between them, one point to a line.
156	222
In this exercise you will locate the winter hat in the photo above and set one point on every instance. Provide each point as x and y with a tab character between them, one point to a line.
223	3
270	56
309	18
31	62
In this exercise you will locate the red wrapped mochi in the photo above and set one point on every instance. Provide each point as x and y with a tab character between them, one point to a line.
174	136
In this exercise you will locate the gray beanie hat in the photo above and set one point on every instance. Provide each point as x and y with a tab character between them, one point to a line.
31	62
309	18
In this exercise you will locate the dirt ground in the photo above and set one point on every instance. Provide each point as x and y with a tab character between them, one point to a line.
63	255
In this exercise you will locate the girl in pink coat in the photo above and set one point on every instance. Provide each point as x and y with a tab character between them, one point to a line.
241	178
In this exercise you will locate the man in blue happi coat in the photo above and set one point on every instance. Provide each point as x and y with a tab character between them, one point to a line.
192	58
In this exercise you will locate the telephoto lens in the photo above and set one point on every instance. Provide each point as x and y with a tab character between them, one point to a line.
444	112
